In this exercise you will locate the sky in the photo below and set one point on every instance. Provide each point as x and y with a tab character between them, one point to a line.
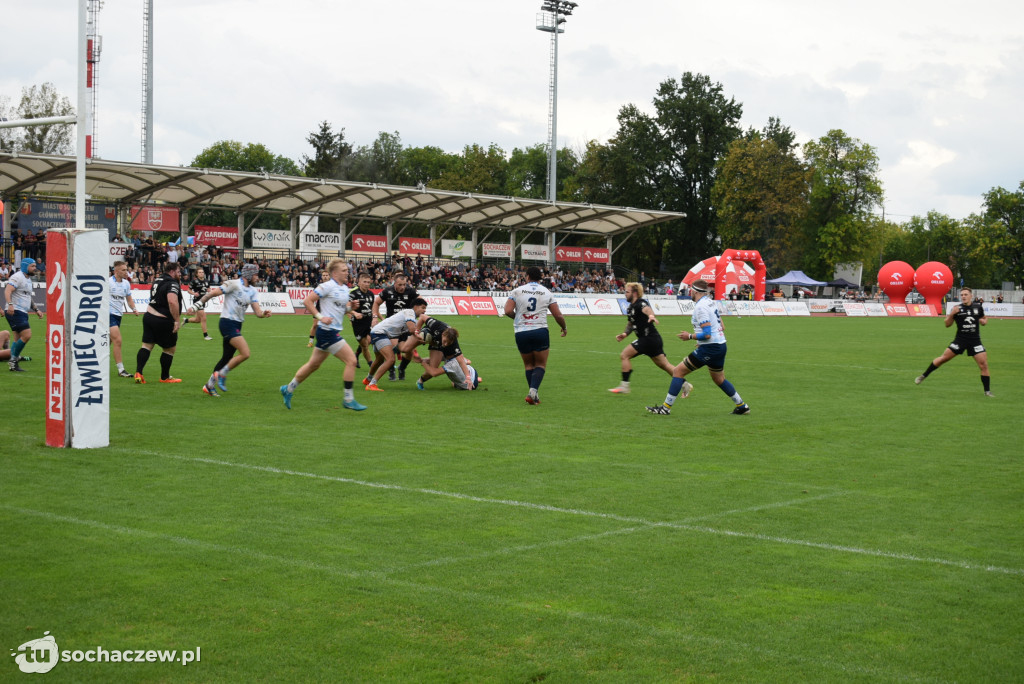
937	88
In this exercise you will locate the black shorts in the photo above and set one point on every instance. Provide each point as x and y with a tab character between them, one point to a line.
650	345
972	347
360	329
159	331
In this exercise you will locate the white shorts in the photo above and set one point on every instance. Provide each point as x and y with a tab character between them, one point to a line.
454	372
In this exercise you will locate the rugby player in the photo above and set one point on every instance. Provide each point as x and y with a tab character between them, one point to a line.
968	316
333	297
641	319
120	295
18	293
394	333
710	336
528	306
361	314
161	323
199	287
395	297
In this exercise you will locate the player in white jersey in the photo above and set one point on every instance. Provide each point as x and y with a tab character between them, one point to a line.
239	295
385	338
710	336
332	296
120	296
19	302
528	306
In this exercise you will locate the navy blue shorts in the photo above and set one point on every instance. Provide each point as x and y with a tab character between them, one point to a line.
115	321
536	340
229	328
17	320
327	338
710	355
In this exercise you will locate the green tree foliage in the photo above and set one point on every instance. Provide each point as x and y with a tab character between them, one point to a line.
844	190
476	170
232	155
1005	209
760	196
424	165
379	162
329	153
528	172
38	102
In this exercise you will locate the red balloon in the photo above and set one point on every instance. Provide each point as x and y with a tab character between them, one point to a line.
896	279
933	280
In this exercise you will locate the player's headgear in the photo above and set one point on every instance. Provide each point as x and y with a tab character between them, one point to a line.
699	286
25	263
249	270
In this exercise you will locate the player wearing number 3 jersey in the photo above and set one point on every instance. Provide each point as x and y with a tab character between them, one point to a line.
528	306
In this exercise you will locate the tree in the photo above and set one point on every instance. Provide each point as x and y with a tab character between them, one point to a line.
329	152
380	162
234	156
477	170
1005	209
760	196
424	165
528	172
39	102
844	190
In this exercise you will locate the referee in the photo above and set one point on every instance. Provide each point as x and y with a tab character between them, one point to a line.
160	324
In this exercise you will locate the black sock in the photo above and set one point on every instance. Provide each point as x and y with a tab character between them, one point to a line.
405	364
625	375
348	384
529	377
140	359
985	380
928	371
165	365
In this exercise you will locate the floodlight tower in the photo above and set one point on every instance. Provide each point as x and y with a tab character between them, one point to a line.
147	81
94	46
550	20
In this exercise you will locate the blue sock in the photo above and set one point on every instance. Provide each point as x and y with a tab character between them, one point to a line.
538	377
529	377
676	386
16	349
728	388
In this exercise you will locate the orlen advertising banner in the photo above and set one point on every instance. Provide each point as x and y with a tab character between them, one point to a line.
569	254
36	216
158	219
457	248
896	309
118	252
496	250
597	255
422	246
217	236
921	310
605	306
475	306
535	252
271	239
377	244
440	306
56	377
312	242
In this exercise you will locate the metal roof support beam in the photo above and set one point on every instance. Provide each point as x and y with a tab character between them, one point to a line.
622	241
210	194
302	208
58	170
173	180
267	199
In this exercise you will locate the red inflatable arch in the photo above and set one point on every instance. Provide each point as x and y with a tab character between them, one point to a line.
752	257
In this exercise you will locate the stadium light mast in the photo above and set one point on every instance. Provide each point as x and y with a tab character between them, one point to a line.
553	15
147	81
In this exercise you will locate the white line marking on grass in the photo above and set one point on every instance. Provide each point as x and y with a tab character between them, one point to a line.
640	626
876	553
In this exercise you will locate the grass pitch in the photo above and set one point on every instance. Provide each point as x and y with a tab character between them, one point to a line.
853	527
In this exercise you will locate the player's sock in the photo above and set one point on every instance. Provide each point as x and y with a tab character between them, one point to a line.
538	377
141	358
529	377
731	392
224	371
405	364
165	365
985	380
625	377
349	396
674	388
16	349
293	385
120	368
928	371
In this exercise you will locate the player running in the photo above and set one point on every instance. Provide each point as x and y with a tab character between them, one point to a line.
120	295
333	297
967	315
640	318
528	306
361	315
239	295
19	303
393	334
324	277
199	287
710	352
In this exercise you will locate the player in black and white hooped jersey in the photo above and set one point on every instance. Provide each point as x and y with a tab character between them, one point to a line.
968	316
640	319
